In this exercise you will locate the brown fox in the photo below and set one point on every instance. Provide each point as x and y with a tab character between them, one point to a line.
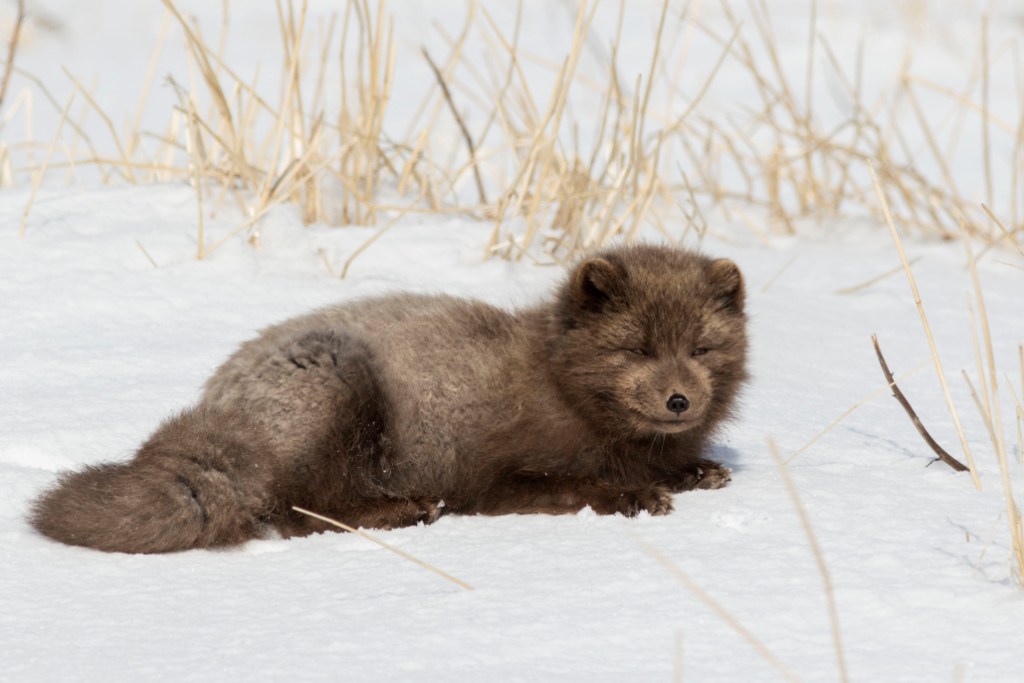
390	411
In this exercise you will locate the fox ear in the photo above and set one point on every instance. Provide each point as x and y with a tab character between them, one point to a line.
595	282
727	283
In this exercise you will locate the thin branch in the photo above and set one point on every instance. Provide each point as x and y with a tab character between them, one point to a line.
462	126
939	451
924	324
12	48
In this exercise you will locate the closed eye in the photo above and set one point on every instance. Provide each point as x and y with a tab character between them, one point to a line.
699	351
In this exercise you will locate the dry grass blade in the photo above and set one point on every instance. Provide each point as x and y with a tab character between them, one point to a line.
366	245
849	411
874	280
195	154
1002	228
147	86
986	145
1019	415
146	254
983	410
711	77
124	169
12	49
200	53
42	169
373	539
993	415
819	559
898	395
720	611
778	273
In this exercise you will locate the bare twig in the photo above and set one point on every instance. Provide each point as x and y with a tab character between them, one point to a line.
387	546
927	328
939	451
12	48
462	126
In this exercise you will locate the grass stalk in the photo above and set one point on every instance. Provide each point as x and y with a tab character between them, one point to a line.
819	560
720	611
41	172
992	412
387	546
12	49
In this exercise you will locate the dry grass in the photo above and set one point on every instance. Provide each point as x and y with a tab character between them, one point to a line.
939	373
819	559
987	397
774	160
398	551
12	49
721	612
734	623
991	414
849	411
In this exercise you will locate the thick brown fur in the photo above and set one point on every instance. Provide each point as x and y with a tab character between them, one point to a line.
388	412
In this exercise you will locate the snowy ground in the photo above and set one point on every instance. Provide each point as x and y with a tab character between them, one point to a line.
99	345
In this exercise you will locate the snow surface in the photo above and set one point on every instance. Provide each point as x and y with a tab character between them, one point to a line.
99	346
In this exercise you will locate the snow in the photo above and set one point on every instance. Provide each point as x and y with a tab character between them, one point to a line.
100	345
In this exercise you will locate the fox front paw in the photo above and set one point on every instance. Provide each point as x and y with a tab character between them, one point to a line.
713	476
656	500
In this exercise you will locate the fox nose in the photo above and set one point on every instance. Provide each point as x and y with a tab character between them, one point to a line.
678	403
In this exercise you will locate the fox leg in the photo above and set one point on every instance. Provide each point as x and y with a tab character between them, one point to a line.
525	494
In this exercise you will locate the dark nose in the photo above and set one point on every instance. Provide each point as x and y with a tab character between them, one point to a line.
678	403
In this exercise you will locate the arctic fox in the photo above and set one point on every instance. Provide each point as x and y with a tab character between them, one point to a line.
390	411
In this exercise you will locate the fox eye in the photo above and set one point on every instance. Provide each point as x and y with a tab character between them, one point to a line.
639	351
700	351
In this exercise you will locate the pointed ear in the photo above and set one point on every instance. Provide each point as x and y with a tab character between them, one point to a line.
595	282
727	284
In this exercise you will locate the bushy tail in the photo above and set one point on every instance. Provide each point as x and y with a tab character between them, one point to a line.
203	479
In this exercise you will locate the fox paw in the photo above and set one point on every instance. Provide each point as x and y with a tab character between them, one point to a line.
656	500
430	509
713	476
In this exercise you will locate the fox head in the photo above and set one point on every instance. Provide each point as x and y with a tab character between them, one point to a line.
651	340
